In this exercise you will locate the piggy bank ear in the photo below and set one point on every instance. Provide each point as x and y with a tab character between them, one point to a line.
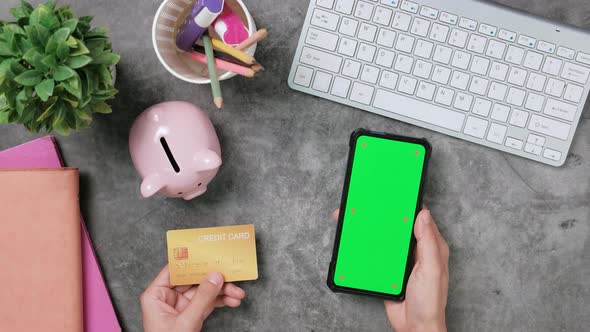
151	185
206	160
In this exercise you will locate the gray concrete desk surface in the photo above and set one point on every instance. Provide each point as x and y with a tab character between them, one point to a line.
518	230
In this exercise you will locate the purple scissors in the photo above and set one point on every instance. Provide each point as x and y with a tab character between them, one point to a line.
202	15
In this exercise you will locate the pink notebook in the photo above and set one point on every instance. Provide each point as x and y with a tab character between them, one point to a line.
99	314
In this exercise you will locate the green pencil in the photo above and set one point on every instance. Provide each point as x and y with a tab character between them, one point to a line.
215	88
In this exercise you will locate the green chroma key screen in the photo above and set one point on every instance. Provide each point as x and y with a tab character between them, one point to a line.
377	224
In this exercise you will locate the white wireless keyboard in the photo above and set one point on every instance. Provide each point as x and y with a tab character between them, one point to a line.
470	69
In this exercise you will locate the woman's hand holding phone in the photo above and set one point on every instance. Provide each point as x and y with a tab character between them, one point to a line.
426	295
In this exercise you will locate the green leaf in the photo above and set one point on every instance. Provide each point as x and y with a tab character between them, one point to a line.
44	16
29	78
106	58
4	117
6	50
80	48
63	50
71	41
78	61
103	108
31	55
71	24
63	73
106	77
72	85
22	99
45	89
49	61
48	111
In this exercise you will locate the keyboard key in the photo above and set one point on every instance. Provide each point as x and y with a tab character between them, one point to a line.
424	49
479	85
461	60
552	66
364	10
325	3
517	76
514	143
536	82
536	139
458	38
401	21
434	115
422	69
499	71
549	127
407	85
460	80
515	55
425	90
362	93
448	18
565	52
370	74
320	59
442	54
383	16
515	97
321	39
385	37
351	68
367	32
500	112
444	96
468	24
405	43
480	65
391	3
344	6
429	12
385	58
322	81
366	52
507	35
532	148
560	109
409	6
441	75
439	32
575	73
497	133
475	127
404	63
519	118
488	30
324	19
527	41
420	27
340	87
496	49
347	46
534	102
482	107
303	76
388	79
573	93
546	47
583	58
555	88
552	154
498	91
348	26
477	44
533	60
463	101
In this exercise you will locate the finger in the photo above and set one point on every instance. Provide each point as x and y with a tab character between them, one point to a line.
204	299
442	243
182	289
232	290
336	214
427	248
162	279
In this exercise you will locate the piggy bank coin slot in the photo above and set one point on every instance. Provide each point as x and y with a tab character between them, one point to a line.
169	155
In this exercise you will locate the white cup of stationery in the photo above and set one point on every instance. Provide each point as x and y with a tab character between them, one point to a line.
177	62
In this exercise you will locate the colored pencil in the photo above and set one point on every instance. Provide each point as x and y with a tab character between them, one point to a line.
255	38
224	65
222	56
240	55
215	88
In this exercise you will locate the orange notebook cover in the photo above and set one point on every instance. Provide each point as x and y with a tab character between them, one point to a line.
40	251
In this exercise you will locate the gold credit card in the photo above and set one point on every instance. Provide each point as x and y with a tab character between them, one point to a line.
194	253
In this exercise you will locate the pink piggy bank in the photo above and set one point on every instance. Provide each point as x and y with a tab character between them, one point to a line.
175	149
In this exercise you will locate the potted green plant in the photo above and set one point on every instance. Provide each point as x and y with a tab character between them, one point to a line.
55	70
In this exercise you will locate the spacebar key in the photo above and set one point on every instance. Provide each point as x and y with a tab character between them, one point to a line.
418	110
320	59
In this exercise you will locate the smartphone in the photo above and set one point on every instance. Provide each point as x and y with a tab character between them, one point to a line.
374	245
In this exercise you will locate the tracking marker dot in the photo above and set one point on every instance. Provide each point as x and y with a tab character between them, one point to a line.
341	277
364	145
405	219
352	210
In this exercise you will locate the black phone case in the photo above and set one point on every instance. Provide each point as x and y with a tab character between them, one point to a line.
355	135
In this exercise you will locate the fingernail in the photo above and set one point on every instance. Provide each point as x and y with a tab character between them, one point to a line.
216	278
426	217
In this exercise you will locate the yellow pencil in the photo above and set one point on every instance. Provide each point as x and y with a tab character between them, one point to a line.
240	55
255	38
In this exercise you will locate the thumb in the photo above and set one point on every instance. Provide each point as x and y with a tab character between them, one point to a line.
203	301
427	250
